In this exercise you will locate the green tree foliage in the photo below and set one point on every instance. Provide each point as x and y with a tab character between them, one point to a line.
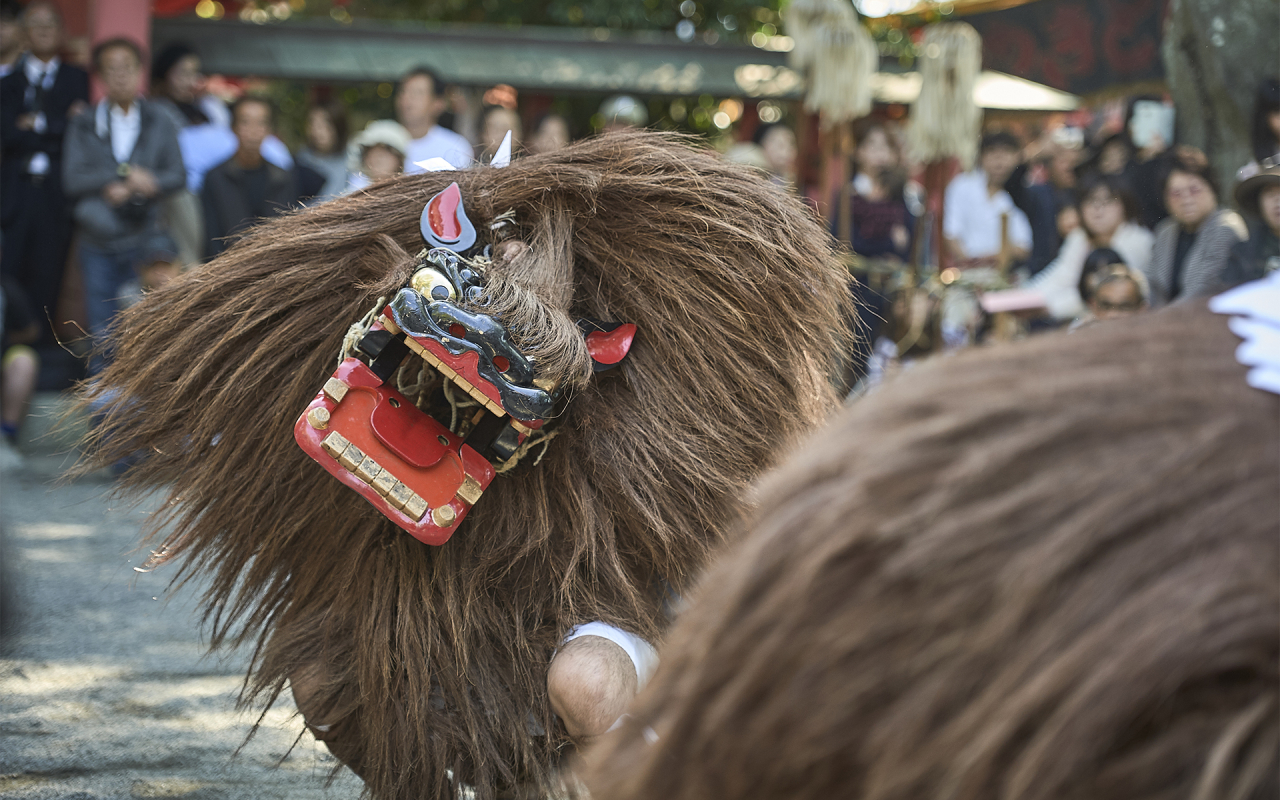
713	20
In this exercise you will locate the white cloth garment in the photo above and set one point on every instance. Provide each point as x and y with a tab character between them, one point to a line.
973	216
125	127
1255	317
643	655
439	143
122	128
41	74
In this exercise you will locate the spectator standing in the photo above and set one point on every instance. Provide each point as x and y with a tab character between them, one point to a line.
378	153
622	112
246	187
175	85
777	143
550	133
326	148
1259	198
37	100
1043	200
976	202
1265	132
1192	245
876	211
419	102
10	35
19	365
1108	214
1148	127
496	122
121	160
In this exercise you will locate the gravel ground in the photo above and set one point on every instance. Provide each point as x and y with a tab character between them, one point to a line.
106	690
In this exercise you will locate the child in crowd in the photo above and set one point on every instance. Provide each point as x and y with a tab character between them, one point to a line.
1109	288
377	153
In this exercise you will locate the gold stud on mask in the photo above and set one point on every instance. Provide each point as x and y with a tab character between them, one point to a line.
432	285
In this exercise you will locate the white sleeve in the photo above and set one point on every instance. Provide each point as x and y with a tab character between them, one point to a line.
643	655
952	209
1060	281
1019	229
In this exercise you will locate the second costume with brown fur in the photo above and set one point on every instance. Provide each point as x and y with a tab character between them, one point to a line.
433	660
1045	571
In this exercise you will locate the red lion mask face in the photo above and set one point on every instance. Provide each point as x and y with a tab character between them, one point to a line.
422	474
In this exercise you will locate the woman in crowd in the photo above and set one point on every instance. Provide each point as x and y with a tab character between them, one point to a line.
1266	123
550	133
176	79
1107	213
876	211
1259	198
495	124
1192	245
777	145
326	148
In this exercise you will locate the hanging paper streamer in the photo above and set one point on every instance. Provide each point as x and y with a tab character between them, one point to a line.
837	53
945	121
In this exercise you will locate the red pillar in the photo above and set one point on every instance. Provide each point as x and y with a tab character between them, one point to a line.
130	19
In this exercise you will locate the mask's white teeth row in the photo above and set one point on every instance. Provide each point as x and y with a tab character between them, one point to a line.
444	369
353	459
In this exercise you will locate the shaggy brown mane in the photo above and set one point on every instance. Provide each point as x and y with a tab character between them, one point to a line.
1045	571
438	656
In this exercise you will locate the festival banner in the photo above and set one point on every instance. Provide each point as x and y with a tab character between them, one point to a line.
1078	46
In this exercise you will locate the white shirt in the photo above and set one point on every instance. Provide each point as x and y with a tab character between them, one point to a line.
439	143
39	73
125	127
972	216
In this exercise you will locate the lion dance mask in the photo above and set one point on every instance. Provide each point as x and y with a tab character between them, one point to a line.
544	386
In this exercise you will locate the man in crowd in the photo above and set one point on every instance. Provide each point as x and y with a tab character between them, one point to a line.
419	102
37	99
122	159
246	187
977	204
10	35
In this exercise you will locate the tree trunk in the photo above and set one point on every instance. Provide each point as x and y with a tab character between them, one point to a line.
1215	54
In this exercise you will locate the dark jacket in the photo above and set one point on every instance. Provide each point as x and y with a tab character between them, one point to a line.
1254	258
69	85
1040	202
228	209
88	165
1202	273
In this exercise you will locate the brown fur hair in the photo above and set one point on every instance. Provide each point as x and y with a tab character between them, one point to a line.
1043	571
436	657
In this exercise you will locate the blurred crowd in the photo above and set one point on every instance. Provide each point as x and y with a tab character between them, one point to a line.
1072	227
1064	230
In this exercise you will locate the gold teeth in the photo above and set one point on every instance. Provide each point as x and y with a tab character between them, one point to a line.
444	369
335	390
443	516
470	490
400	496
318	418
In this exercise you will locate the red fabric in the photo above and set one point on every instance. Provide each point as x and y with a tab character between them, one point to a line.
172	8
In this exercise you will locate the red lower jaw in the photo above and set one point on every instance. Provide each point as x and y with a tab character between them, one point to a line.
406	464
